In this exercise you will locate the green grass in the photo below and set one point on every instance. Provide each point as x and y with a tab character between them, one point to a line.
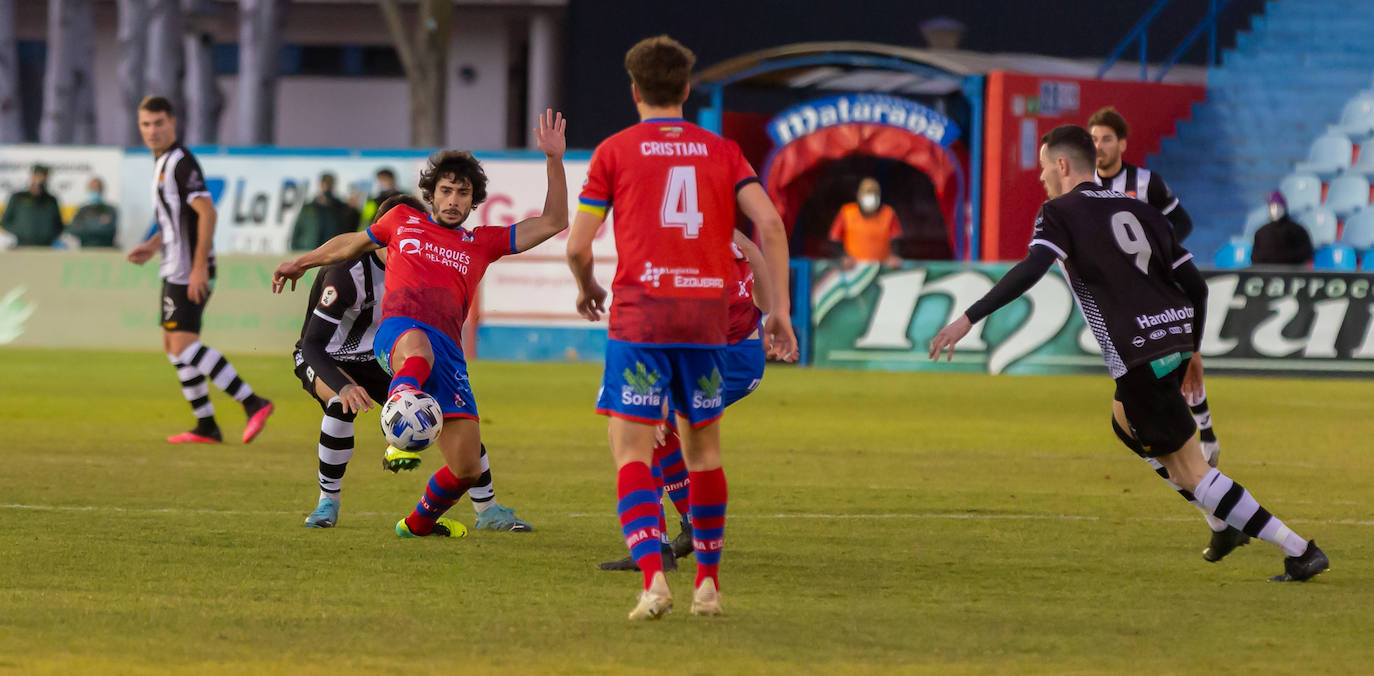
122	554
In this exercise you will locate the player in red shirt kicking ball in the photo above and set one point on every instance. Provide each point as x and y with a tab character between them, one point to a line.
433	268
674	187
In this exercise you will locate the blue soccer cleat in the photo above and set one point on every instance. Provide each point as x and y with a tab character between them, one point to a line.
500	518
326	514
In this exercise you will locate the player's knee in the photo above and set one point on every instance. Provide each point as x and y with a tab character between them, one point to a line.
1126	438
335	409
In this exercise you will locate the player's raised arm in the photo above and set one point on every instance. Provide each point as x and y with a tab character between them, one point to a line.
763	284
532	232
343	247
779	338
1017	281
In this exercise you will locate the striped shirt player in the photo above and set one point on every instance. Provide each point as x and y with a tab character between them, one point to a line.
335	351
1150	188
1145	301
185	214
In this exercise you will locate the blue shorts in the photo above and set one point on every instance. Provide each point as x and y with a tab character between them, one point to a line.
641	378
448	375
744	363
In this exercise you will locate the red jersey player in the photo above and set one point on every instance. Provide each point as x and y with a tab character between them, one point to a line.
674	187
433	268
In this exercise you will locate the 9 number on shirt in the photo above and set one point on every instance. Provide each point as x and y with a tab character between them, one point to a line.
1130	237
680	202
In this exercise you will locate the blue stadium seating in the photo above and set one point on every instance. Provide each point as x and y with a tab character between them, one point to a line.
1330	154
1357	120
1347	194
1368	262
1364	164
1234	254
1359	230
1287	80
1320	223
1254	220
1302	192
1334	257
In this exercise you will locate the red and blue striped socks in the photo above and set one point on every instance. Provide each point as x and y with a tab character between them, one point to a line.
443	492
640	514
668	456
413	373
708	496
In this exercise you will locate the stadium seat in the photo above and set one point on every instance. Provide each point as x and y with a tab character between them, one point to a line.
1359	230
1302	192
1320	224
1348	193
1334	257
1368	262
1329	154
1357	120
1234	254
1254	220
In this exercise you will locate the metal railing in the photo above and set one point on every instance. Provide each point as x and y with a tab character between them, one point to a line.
1140	34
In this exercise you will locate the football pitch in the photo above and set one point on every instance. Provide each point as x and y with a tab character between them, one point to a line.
878	523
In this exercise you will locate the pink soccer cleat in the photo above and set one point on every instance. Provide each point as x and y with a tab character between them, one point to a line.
257	420
191	438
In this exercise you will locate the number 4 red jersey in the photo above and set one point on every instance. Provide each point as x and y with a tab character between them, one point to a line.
672	185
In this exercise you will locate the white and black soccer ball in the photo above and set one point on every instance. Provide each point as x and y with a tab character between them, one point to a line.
411	420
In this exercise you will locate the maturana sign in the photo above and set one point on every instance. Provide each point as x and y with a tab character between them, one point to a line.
809	117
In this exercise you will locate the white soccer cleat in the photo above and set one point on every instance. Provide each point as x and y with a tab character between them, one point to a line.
654	602
706	599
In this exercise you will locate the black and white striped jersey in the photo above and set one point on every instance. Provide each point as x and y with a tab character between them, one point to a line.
1119	256
1131	179
349	296
177	179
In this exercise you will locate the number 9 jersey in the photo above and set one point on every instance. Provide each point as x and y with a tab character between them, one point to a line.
672	187
1119	255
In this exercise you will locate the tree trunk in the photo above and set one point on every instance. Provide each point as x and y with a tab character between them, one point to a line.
425	59
81	41
204	101
59	77
260	23
165	66
11	125
133	51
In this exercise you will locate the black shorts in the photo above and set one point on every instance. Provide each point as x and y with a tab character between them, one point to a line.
367	374
178	312
1156	409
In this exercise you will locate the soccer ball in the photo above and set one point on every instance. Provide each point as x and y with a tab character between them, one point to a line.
411	420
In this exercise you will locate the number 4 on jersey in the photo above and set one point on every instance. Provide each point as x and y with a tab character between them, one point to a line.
680	202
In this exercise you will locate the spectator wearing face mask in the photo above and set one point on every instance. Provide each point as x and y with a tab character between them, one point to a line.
33	215
96	222
1281	241
865	228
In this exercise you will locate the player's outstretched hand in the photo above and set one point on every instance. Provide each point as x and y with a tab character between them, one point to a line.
289	271
948	336
1192	378
591	303
549	134
141	253
354	399
779	340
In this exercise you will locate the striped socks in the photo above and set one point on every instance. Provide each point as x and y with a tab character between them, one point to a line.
482	493
708	496
1230	501
668	456
196	391
211	364
413	373
336	448
443	492
640	512
1217	525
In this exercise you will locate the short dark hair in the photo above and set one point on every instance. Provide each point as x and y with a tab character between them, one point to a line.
41	169
460	164
1108	117
395	200
660	67
156	104
1074	142
387	173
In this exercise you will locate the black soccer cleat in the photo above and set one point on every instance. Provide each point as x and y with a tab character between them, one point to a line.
1223	543
1310	564
628	563
682	544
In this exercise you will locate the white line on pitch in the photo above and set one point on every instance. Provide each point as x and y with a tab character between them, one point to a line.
608	515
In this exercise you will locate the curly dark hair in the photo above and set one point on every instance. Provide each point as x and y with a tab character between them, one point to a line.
457	165
396	200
